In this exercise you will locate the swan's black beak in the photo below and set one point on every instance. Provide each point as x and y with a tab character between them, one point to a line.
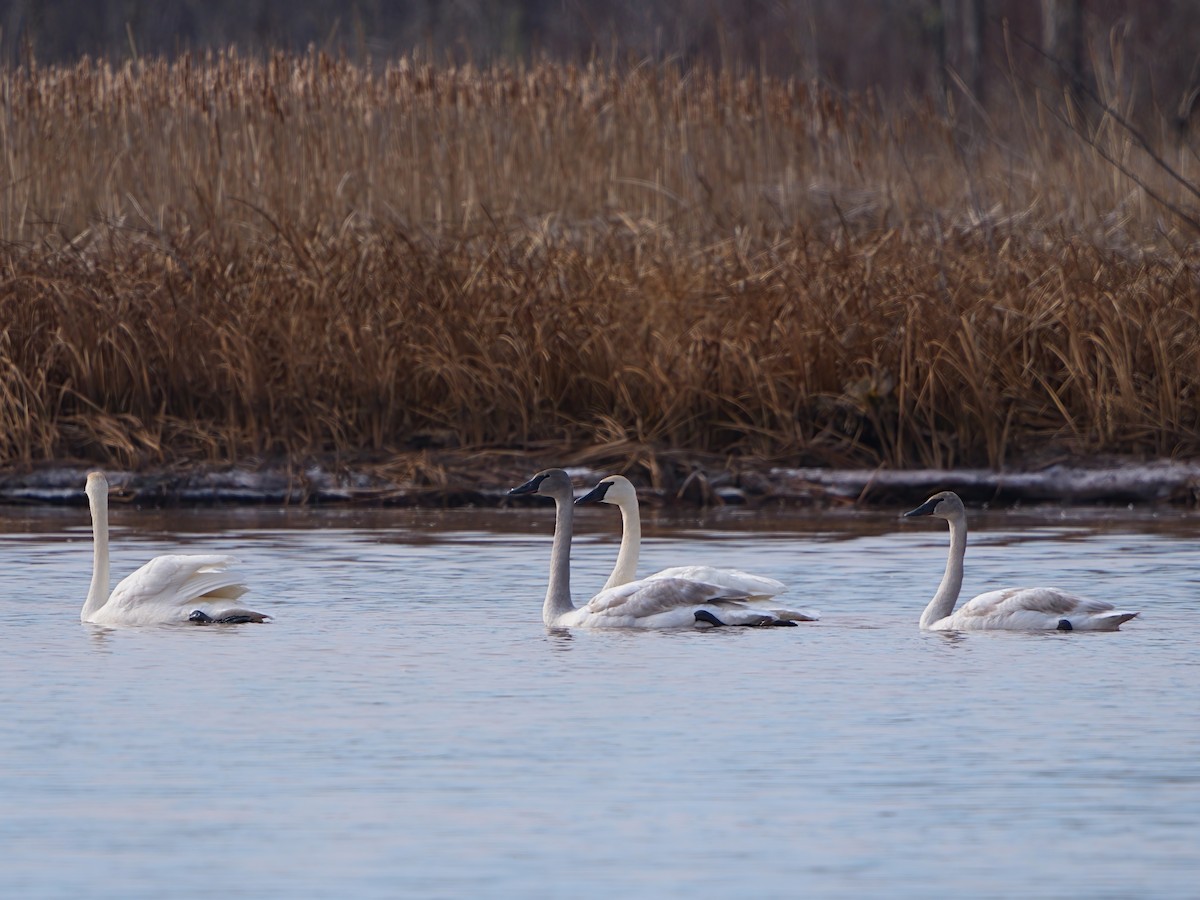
596	494
925	509
529	487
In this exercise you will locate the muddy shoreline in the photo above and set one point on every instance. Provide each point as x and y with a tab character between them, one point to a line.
482	480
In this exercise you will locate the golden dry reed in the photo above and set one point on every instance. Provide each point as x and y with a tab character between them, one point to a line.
219	259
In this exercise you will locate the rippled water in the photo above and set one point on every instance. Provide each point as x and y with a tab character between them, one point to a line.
407	727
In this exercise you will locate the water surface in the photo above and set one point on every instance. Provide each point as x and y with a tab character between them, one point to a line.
407	727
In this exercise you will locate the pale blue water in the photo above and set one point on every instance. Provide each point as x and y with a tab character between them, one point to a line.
407	727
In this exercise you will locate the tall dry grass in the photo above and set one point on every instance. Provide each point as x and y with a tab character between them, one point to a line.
223	258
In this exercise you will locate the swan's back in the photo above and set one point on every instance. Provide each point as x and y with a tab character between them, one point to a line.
1034	609
743	584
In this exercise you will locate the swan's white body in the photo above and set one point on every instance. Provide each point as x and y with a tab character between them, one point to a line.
660	602
1010	609
167	590
620	492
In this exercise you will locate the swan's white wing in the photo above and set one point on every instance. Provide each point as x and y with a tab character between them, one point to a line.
670	603
753	590
734	580
1035	609
179	578
650	597
168	588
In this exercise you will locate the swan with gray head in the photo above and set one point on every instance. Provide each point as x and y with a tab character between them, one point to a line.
618	491
1010	609
652	603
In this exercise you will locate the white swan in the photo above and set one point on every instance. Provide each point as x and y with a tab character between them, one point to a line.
657	603
1011	609
168	589
620	492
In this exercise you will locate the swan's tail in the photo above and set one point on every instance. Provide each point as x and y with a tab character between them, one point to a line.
1111	621
794	615
740	617
1106	620
234	616
736	611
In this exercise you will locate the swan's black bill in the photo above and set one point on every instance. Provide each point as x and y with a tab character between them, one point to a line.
925	509
596	494
529	487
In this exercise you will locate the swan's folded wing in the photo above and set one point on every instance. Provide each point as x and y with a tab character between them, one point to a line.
178	580
650	597
1090	607
732	580
1080	613
1044	601
1035	609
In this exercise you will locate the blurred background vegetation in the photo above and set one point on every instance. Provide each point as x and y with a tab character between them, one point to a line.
898	45
929	233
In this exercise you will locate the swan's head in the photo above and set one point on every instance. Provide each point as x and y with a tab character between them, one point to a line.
614	489
945	505
554	483
97	485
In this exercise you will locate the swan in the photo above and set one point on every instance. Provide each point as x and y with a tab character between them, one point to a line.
1011	609
620	492
652	603
168	589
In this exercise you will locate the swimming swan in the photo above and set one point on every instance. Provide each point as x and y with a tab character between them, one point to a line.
657	603
168	589
617	490
1012	609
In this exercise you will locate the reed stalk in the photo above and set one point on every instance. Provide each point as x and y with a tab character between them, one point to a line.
217	259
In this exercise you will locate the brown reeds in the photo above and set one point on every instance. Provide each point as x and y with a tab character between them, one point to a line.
221	258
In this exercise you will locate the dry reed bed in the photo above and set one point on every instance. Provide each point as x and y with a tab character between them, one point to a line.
209	260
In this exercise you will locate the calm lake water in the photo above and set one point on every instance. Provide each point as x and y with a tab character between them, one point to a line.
407	727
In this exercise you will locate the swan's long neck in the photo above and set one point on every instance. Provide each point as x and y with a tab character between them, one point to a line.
625	570
943	601
558	594
98	592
